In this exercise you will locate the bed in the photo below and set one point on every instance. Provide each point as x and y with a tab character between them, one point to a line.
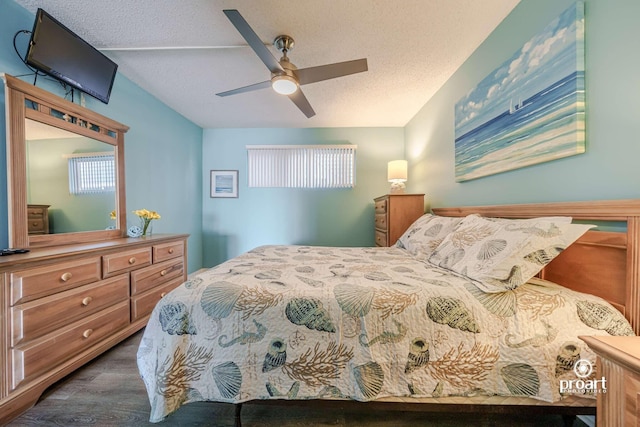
446	317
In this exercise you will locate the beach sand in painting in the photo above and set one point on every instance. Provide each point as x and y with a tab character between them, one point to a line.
551	145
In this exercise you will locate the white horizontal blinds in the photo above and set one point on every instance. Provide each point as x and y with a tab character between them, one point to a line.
301	166
92	173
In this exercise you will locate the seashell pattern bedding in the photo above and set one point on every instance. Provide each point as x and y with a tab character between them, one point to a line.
299	322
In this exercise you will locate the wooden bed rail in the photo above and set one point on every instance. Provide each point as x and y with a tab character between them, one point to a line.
597	210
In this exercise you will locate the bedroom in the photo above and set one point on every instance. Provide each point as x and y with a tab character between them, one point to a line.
606	171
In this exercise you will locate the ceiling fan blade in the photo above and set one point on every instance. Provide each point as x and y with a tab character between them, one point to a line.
250	88
330	71
253	40
302	103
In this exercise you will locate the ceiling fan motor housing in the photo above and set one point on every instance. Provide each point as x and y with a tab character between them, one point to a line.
285	83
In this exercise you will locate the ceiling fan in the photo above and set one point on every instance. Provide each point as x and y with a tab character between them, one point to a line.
286	79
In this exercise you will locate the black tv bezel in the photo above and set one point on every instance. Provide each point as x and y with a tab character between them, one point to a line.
66	79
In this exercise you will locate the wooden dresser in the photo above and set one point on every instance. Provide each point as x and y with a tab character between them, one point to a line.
62	306
38	219
394	214
619	363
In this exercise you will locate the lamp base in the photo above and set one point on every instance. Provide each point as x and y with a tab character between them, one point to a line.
397	187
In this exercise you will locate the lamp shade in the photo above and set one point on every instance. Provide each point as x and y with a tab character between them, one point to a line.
397	171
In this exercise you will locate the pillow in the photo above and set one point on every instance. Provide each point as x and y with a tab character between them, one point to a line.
426	233
502	255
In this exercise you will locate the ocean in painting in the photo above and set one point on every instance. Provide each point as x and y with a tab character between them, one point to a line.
549	125
531	108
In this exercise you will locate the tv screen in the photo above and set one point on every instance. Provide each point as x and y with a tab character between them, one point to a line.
57	51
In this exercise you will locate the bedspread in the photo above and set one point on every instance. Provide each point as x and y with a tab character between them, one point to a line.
300	322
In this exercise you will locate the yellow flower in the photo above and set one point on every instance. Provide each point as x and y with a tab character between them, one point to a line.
146	216
112	215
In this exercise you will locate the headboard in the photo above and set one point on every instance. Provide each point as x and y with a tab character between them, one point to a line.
602	263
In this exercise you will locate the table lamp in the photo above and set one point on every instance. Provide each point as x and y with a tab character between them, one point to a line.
397	175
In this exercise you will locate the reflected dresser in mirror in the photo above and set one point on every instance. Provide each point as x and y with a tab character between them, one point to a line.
38	218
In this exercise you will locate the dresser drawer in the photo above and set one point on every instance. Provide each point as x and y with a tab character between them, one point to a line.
36	318
114	264
381	206
155	275
143	304
381	238
27	285
45	353
381	221
167	251
35	225
33	212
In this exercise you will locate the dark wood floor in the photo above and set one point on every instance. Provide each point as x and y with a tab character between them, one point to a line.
109	392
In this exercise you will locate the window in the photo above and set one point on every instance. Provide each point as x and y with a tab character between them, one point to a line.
301	166
91	173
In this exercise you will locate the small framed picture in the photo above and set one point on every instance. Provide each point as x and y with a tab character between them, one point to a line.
224	183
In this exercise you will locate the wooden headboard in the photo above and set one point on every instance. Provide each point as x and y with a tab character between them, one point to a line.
602	263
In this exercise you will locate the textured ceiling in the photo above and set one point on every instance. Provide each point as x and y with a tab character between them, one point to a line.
412	48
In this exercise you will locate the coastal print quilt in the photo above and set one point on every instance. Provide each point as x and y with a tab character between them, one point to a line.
300	322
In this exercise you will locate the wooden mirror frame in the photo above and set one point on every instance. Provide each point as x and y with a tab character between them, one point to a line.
58	112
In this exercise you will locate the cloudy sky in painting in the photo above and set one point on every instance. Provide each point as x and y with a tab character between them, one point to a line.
547	57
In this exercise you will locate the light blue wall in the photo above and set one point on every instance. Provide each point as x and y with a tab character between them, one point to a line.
609	168
162	149
261	216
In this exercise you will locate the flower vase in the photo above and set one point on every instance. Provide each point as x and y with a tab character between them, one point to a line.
146	225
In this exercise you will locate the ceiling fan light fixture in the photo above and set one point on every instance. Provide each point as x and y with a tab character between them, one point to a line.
284	84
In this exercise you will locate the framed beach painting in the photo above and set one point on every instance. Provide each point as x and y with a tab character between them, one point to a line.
529	110
224	183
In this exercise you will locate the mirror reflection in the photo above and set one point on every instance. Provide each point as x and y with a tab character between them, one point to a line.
70	181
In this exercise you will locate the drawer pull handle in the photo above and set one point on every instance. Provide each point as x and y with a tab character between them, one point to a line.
162	294
86	301
132	260
35	224
66	276
171	250
163	272
87	333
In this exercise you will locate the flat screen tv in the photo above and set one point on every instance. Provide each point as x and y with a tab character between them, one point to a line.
59	52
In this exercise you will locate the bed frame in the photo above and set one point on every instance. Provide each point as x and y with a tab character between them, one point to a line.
603	263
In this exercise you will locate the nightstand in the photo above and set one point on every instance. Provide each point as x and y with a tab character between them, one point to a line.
394	214
619	363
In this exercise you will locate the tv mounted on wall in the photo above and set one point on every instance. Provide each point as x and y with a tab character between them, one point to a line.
59	52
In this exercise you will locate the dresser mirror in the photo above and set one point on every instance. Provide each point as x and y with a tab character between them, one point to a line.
65	167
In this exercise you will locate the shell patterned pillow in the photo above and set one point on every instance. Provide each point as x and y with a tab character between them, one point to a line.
426	233
502	255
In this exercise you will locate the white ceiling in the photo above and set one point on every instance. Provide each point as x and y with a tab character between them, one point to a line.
412	48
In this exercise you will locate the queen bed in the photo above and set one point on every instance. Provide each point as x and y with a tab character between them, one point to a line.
451	315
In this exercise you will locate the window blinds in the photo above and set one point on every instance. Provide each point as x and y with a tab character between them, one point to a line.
301	166
92	173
